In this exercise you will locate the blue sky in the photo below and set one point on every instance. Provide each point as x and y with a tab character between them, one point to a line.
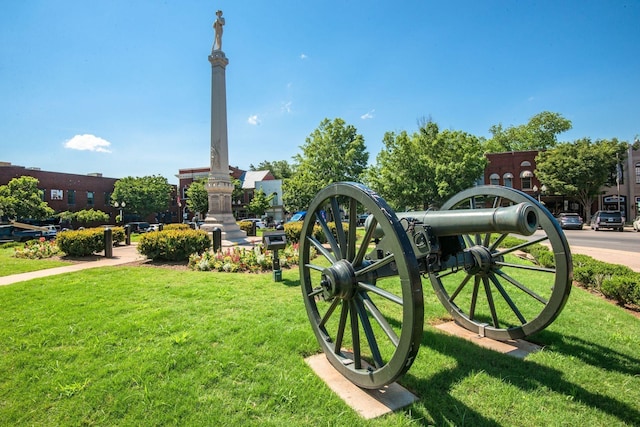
123	87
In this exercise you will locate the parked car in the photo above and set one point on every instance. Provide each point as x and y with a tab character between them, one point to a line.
298	216
51	232
153	227
11	233
258	222
636	224
607	219
570	220
138	226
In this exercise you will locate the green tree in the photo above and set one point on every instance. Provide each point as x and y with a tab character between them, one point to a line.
143	195
333	152
580	169
426	168
197	197
260	202
91	215
280	169
21	199
540	133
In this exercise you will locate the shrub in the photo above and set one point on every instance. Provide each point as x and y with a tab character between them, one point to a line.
173	245
37	249
81	242
167	227
247	227
624	289
293	229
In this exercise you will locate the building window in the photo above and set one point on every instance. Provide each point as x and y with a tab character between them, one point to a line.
508	179
525	179
71	197
638	173
107	198
90	198
525	164
494	179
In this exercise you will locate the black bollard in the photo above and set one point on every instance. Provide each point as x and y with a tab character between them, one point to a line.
108	243
127	234
216	237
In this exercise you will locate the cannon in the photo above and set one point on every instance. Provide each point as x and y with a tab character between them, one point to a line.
363	292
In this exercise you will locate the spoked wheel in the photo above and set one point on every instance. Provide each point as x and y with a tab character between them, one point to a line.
365	307
505	296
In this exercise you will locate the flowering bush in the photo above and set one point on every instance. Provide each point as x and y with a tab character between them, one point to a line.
37	249
238	259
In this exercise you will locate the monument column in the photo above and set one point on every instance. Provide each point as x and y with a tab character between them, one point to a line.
219	185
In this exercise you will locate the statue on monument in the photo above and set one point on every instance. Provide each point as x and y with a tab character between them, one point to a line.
217	28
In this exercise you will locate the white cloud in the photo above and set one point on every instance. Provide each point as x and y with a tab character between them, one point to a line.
303	56
286	107
88	142
254	120
368	115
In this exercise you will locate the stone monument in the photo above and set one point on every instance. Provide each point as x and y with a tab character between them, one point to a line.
219	185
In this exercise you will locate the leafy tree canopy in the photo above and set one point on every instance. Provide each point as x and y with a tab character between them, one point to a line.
426	168
260	202
21	199
280	169
540	133
91	215
143	195
333	152
197	197
580	169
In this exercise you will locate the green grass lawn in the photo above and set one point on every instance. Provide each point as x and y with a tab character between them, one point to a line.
152	346
11	265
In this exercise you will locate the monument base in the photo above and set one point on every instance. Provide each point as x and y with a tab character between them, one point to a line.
231	232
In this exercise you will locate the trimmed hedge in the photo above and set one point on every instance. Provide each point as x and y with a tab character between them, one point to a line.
86	242
176	227
173	245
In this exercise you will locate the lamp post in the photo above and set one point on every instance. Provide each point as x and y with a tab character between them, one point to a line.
121	207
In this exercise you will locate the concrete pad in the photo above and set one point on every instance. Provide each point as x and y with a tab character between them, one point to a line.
368	403
515	348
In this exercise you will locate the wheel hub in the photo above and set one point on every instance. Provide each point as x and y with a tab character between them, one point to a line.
483	261
339	280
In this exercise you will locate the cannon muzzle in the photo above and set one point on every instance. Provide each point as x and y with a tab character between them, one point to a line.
520	219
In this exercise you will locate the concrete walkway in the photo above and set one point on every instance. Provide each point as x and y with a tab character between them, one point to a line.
129	254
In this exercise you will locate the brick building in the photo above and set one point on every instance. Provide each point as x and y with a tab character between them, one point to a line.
72	192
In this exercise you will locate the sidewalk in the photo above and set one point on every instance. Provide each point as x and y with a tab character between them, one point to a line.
121	255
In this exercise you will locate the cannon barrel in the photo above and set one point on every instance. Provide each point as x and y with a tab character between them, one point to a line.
520	219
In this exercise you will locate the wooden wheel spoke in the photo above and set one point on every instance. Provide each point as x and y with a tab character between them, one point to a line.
520	246
366	240
355	334
351	239
337	252
520	286
460	287
526	267
474	298
492	305
379	291
495	244
368	332
329	312
386	327
341	326
375	265
321	249
507	298
337	220
314	267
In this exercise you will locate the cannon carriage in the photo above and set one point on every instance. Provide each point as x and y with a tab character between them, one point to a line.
363	291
